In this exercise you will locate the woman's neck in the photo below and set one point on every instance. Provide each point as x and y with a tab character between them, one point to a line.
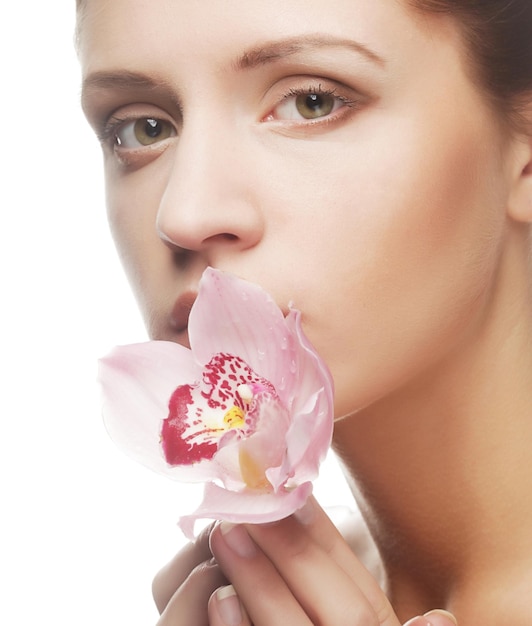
442	469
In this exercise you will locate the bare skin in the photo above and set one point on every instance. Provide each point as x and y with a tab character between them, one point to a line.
398	220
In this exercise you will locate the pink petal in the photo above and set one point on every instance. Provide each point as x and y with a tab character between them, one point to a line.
137	382
246	507
234	316
307	441
310	433
184	442
196	426
312	373
244	462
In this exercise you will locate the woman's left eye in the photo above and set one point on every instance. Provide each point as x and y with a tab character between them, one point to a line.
308	105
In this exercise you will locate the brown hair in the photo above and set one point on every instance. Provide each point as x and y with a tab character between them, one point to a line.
498	38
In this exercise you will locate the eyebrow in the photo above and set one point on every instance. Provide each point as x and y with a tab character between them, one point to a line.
120	80
266	53
273	51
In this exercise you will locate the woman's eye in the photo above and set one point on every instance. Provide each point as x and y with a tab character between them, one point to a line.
308	105
143	132
314	105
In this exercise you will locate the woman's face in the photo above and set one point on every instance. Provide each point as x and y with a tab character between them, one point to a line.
336	153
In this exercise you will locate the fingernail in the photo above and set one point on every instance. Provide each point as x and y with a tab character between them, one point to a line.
228	606
307	513
446	617
420	620
237	538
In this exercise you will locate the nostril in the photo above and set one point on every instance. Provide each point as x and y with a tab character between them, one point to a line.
219	238
227	236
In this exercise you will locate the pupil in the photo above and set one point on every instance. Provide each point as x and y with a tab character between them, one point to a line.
314	101
152	128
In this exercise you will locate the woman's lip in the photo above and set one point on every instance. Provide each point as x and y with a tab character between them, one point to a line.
181	310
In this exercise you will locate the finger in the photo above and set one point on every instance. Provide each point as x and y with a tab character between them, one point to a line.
267	598
174	573
310	526
225	608
303	581
314	522
188	605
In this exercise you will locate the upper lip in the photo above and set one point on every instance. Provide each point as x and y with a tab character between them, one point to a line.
181	310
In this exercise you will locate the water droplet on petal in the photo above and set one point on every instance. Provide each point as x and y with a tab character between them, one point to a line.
293	367
261	354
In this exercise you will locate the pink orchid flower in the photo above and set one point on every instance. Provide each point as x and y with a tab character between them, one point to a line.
248	409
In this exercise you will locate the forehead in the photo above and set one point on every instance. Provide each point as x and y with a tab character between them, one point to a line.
132	33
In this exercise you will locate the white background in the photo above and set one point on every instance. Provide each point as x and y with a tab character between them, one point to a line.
82	528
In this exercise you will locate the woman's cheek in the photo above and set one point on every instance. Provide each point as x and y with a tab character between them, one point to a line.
419	268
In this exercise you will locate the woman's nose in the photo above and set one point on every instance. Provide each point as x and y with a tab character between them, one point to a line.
209	198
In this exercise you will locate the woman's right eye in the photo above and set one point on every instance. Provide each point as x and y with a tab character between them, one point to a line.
141	132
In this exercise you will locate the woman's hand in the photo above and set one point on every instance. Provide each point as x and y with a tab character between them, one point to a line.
300	572
182	588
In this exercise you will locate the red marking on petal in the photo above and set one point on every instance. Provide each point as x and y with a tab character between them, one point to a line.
178	450
185	437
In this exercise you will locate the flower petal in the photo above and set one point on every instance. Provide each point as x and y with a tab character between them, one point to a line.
311	372
307	443
310	433
245	507
185	438
244	462
201	415
137	381
234	316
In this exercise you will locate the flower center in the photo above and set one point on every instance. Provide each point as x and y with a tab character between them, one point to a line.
221	409
235	417
253	473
